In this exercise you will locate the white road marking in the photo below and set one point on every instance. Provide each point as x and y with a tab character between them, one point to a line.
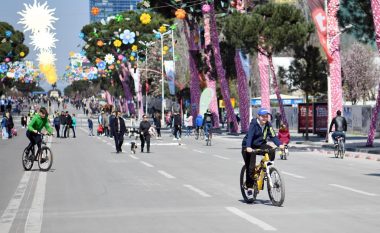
221	157
199	151
133	157
35	216
200	192
10	212
293	175
146	164
263	225
353	190
167	175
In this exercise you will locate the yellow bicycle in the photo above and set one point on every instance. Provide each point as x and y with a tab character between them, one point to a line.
264	171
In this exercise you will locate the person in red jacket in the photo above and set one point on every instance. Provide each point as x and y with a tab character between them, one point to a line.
284	135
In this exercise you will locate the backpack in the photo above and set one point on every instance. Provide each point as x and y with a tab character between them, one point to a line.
208	118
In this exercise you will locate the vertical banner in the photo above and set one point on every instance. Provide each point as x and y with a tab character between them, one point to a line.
136	78
264	78
169	70
205	101
245	61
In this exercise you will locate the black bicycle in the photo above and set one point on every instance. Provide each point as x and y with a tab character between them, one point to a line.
44	157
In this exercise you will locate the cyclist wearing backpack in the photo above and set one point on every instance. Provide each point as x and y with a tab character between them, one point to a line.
208	122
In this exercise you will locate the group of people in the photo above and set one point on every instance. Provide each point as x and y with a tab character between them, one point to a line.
7	126
64	122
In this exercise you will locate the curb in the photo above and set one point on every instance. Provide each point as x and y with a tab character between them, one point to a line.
347	154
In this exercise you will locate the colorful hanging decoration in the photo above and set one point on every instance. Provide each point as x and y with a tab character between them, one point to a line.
134	48
132	58
206	8
166	48
117	43
8	34
145	18
37	17
162	29
22	54
180	14
119	18
99	43
128	37
95	11
109	58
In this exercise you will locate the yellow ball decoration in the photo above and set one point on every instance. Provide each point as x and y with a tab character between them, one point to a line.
180	14
134	48
117	43
22	54
162	29
166	48
132	58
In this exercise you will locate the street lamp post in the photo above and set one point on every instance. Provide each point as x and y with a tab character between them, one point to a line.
162	74
146	44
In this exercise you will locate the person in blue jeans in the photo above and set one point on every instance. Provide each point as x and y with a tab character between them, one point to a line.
198	122
208	122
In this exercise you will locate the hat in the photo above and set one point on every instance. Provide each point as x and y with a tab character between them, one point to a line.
263	111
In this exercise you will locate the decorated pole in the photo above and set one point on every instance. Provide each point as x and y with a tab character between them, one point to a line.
244	105
127	91
211	82
221	72
194	79
376	21
334	49
264	78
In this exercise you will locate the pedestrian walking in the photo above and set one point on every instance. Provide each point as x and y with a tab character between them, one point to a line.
73	124
144	133
119	130
157	123
90	127
57	123
177	122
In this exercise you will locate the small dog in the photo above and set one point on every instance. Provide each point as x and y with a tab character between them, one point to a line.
133	147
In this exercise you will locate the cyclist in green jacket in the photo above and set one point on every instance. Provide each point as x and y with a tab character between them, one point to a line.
38	122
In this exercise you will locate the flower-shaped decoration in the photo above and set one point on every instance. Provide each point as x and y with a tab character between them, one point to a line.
180	14
120	57
95	10
7	59
119	18
101	65
109	58
22	54
146	4
134	48
117	43
128	37
111	67
97	60
162	29
3	68
166	48
206	8
145	18
8	33
99	43
132	58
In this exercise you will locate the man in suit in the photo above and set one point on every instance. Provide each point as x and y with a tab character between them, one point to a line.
119	131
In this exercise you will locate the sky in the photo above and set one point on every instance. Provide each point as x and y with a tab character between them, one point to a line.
72	14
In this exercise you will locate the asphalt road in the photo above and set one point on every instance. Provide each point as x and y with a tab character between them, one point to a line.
187	188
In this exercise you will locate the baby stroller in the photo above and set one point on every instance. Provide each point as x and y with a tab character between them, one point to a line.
100	130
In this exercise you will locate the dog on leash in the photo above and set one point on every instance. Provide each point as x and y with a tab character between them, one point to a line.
133	147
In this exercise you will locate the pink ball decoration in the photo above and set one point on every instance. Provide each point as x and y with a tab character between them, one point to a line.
206	8
7	59
120	57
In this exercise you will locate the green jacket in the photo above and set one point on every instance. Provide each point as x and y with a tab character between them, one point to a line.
37	123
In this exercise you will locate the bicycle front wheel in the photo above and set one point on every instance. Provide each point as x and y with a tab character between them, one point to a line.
341	149
276	191
336	151
27	161
243	187
202	135
45	159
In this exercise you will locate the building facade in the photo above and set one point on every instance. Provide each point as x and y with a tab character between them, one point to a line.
111	7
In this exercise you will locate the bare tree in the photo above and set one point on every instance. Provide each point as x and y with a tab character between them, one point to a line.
359	73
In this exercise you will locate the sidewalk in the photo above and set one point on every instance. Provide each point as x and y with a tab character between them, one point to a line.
355	145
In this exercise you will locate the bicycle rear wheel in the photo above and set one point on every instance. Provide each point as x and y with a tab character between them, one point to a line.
336	151
202	135
341	149
27	162
277	191
244	189
45	159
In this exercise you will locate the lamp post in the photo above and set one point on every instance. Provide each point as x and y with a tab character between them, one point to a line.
146	44
162	73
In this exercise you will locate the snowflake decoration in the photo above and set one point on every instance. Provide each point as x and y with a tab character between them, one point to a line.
46	57
109	58
37	17
128	37
43	40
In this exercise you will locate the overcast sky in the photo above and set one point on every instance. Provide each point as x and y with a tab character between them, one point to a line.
72	14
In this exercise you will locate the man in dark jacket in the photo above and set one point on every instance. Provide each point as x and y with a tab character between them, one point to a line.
112	123
340	126
177	121
57	123
208	122
68	125
63	121
256	138
119	129
144	134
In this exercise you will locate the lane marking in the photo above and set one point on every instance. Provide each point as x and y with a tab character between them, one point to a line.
35	216
353	190
156	144
167	175
263	225
133	157
293	175
10	212
199	151
146	164
200	192
221	157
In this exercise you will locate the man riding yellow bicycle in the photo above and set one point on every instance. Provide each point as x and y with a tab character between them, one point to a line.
259	130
